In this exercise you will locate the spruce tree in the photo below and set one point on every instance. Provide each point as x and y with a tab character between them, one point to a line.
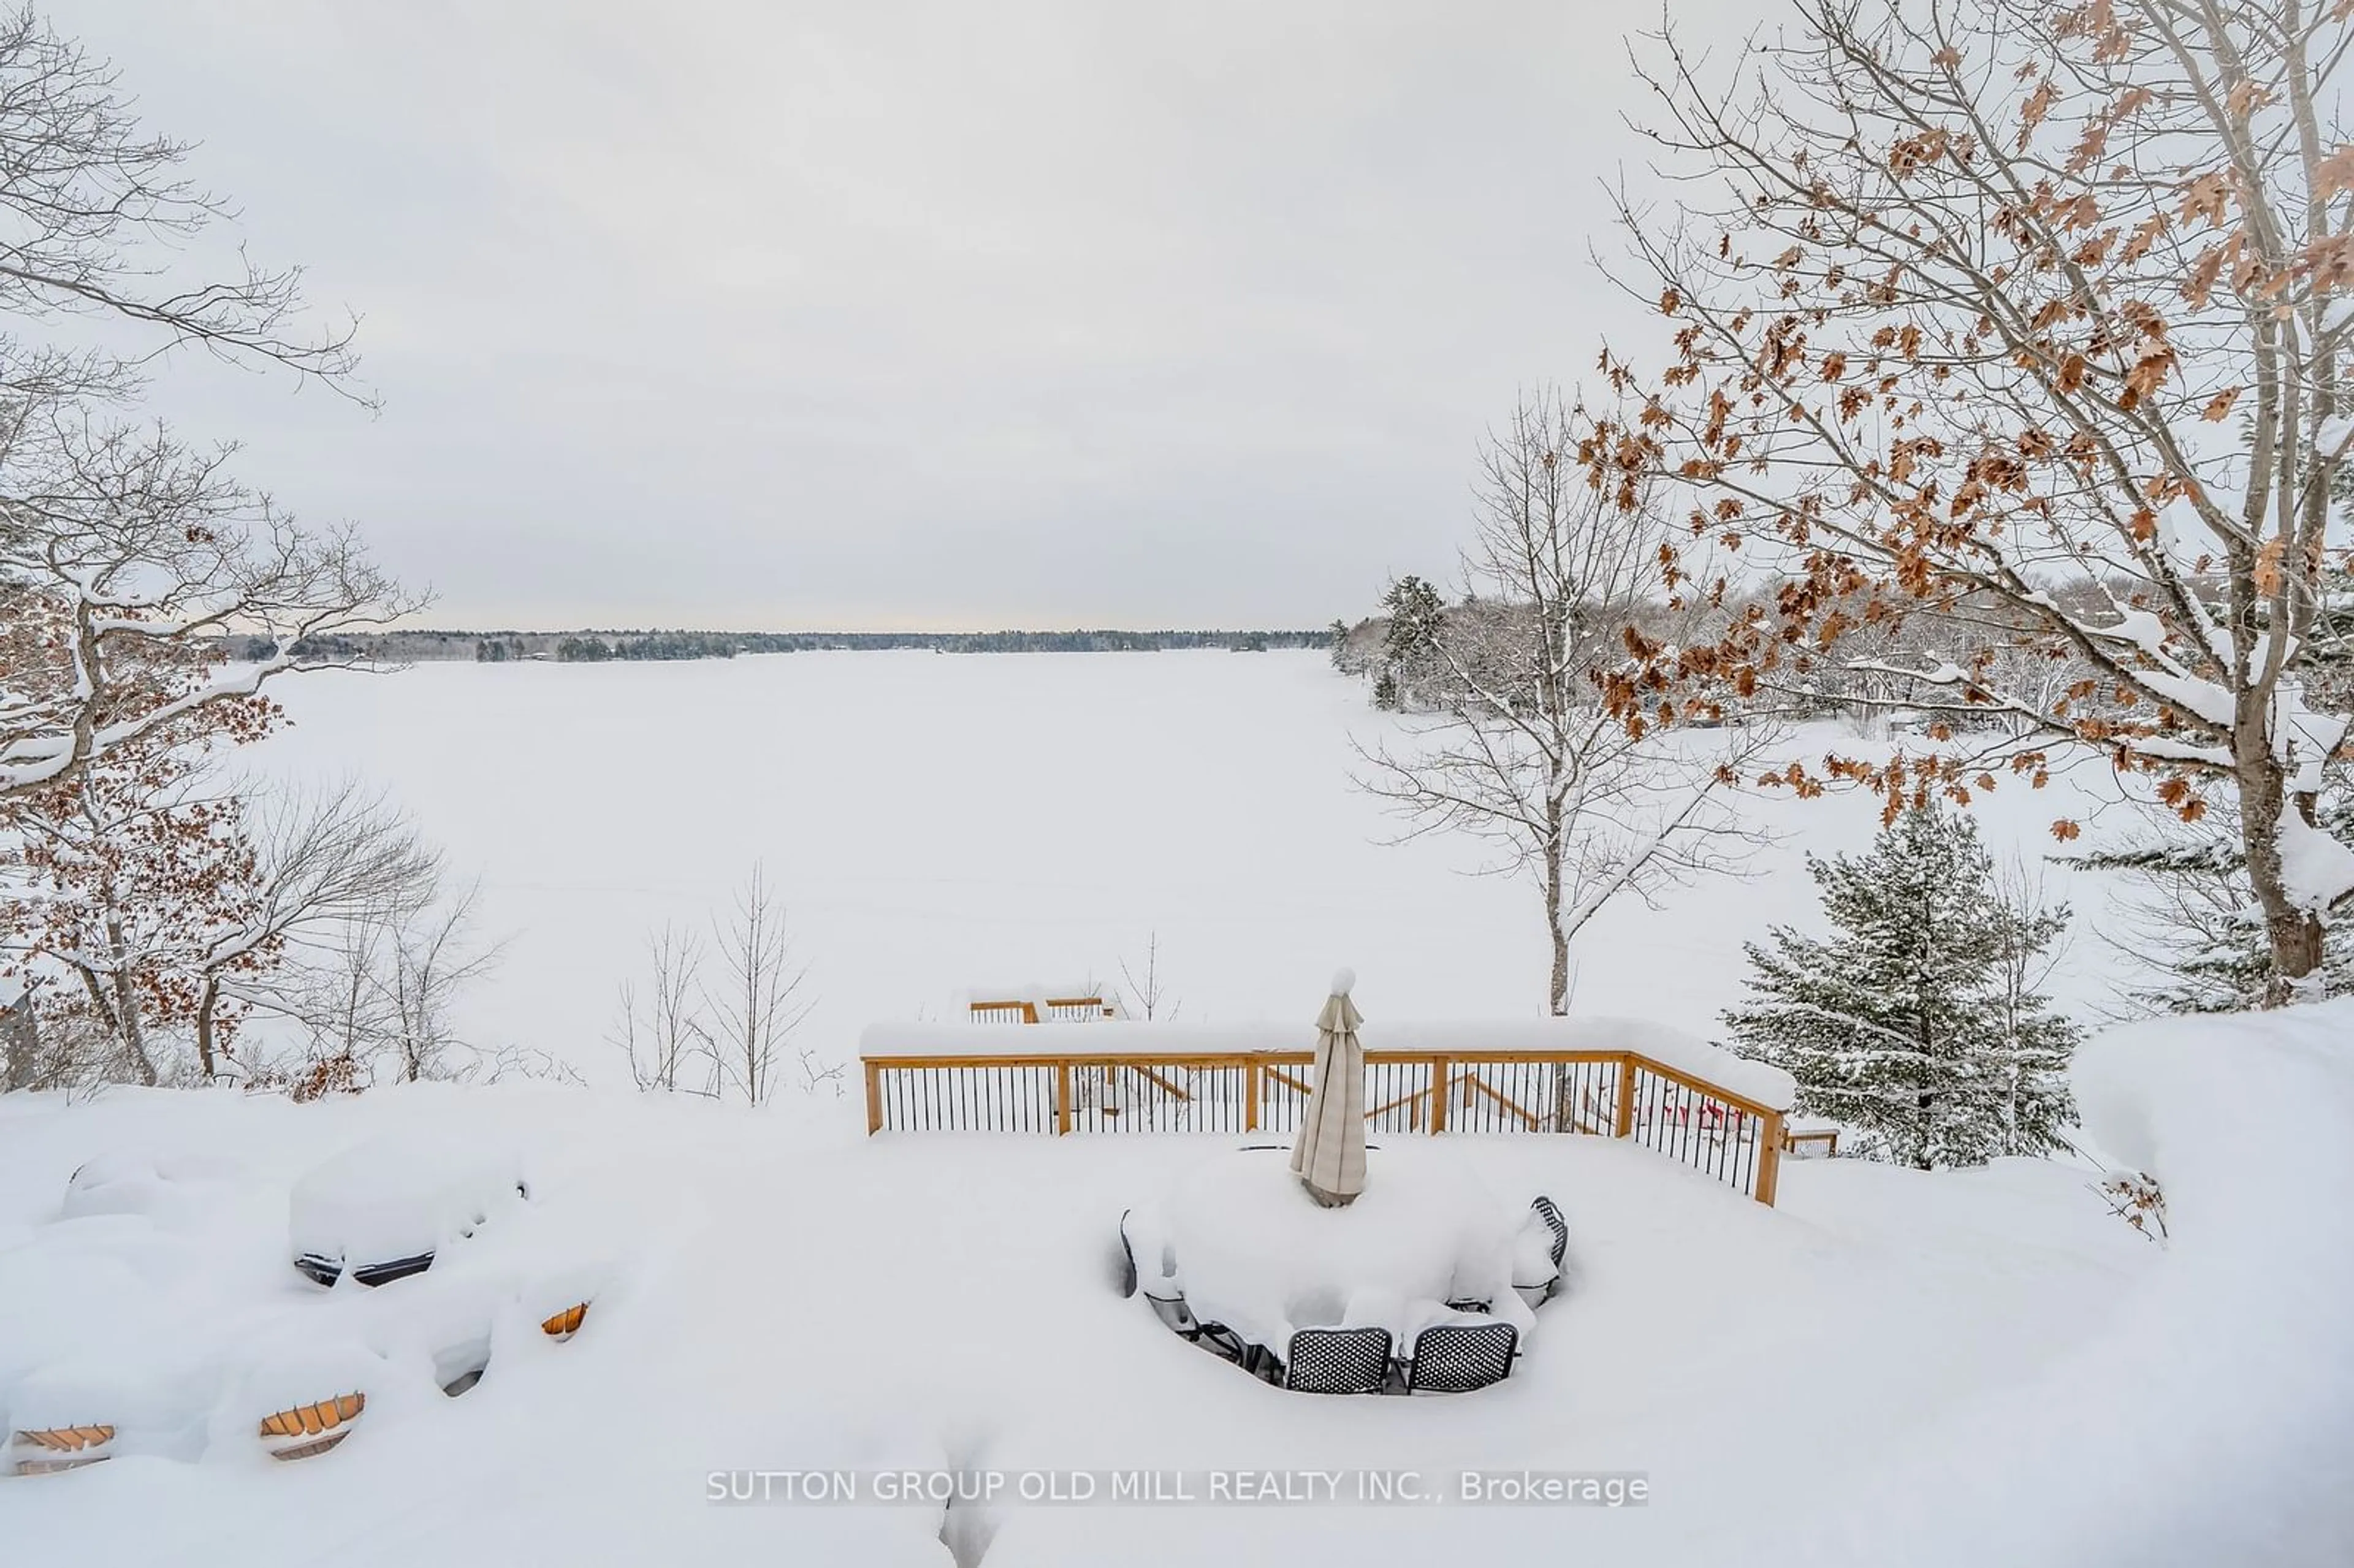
1410	646
1918	1024
2201	938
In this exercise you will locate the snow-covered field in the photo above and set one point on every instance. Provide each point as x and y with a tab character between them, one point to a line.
937	822
1974	1368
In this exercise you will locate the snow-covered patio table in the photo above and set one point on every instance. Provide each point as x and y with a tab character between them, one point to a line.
1248	1247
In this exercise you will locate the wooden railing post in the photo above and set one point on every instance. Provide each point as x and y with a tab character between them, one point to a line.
873	1098
1061	1096
1441	1070
1250	1094
1769	1159
1622	1123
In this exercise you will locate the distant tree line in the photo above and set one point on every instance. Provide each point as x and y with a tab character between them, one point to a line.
659	645
591	646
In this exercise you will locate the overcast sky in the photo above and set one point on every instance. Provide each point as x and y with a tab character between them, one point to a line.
975	314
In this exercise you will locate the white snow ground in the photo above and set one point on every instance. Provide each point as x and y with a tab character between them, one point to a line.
937	821
1966	1368
1969	1368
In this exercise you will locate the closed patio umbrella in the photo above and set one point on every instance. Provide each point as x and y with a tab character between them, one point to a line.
1330	1157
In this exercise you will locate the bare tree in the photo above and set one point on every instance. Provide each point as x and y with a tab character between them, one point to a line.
127	564
127	557
732	1030
1147	995
381	986
756	1004
324	862
433	956
2035	1045
668	1047
1527	756
2041	308
100	213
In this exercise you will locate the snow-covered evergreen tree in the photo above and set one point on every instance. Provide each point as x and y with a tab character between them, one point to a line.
1410	647
1918	1023
2196	928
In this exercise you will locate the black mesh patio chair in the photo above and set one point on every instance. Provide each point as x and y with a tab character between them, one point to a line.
1549	1212
1338	1361
1456	1358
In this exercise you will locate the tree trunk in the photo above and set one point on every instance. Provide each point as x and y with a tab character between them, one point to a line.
126	1016
20	1044
2296	933
1557	998
205	1008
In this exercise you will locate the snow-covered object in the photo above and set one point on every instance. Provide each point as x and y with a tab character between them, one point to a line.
1768	1087
401	1197
1254	1251
789	1301
289	1375
166	1187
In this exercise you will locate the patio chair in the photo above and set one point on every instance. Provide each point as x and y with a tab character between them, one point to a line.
1221	1340
1456	1358
1174	1315
1549	1214
397	1268
1167	1302
324	1270
1338	1361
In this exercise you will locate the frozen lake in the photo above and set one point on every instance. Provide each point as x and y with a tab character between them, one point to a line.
938	823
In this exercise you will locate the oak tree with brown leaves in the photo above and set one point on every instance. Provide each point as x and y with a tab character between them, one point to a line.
2028	320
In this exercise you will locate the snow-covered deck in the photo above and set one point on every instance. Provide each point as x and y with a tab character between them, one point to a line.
1677	1096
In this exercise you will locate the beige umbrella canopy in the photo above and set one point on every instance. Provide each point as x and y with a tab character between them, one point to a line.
1330	1157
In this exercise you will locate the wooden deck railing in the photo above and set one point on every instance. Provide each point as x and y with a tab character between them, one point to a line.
1611	1094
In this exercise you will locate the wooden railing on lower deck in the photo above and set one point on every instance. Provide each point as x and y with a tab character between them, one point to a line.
1613	1094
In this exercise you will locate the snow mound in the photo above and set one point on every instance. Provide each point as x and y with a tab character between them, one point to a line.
401	1197
2211	1421
167	1188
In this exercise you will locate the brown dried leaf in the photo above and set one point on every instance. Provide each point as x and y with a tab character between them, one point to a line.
2335	173
2207	196
2268	566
